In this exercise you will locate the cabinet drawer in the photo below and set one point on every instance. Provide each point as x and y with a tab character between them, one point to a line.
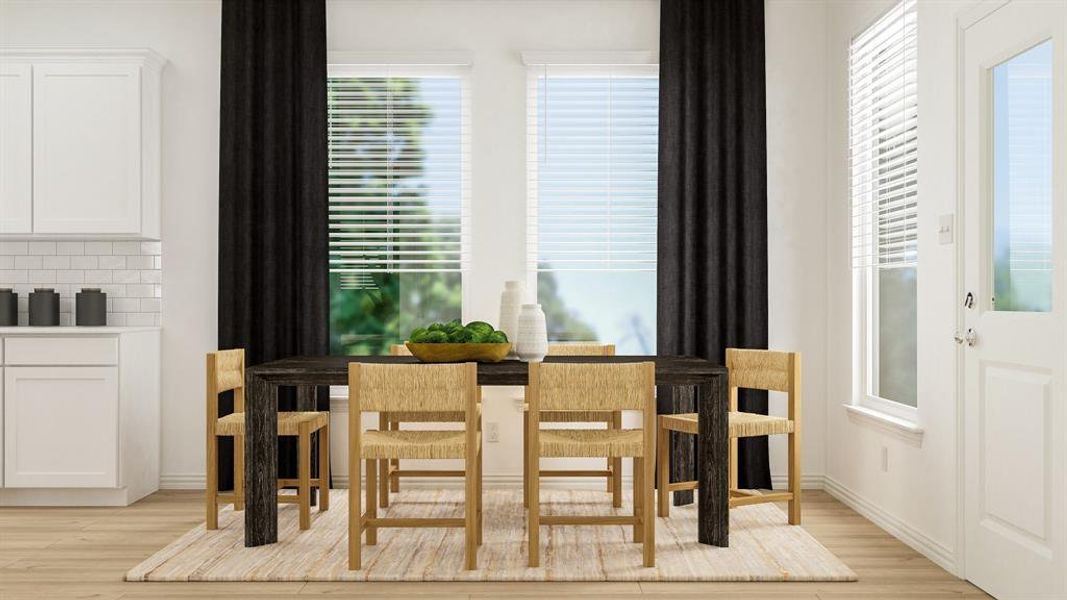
61	351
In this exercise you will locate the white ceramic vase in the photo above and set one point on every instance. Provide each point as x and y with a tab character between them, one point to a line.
511	300
532	341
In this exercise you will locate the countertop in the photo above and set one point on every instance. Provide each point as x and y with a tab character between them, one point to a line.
63	331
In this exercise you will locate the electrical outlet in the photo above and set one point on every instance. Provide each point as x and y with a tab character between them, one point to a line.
492	432
885	459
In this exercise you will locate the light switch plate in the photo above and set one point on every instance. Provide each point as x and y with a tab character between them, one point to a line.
945	228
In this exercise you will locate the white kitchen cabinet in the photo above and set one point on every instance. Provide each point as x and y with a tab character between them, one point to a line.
80	415
16	148
88	142
60	427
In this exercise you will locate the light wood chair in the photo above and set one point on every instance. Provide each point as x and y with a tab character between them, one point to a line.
225	372
593	387
390	469
756	370
403	389
612	420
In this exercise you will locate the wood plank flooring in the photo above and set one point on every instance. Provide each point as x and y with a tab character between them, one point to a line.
84	552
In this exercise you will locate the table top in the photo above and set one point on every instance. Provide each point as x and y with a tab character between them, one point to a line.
333	370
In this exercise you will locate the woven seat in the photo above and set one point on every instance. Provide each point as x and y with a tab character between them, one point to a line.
414	444
595	443
742	424
288	423
426	417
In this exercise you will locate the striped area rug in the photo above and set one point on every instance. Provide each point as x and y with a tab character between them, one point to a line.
763	547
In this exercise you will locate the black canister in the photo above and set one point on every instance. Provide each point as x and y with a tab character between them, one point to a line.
90	308
9	308
44	307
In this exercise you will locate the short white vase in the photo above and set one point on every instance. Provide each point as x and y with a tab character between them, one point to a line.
532	341
511	300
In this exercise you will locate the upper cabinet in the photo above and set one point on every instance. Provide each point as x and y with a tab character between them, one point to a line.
79	143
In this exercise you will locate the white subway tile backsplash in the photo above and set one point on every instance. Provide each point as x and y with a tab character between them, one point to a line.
128	272
41	248
70	248
28	262
98	247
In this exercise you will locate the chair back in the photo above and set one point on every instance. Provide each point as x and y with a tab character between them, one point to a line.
225	372
592	386
764	370
412	387
580	349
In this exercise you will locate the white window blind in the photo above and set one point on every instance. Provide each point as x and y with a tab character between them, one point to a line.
592	163
399	175
883	143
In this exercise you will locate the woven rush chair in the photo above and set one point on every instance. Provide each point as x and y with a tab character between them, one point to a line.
390	469
403	388
612	420
225	372
593	387
755	370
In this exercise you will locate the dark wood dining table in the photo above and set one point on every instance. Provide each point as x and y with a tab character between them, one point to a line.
686	380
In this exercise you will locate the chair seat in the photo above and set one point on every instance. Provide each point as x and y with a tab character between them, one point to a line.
575	416
591	443
742	424
288	422
414	444
456	416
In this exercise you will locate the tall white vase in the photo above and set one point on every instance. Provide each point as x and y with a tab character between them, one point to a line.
532	343
511	300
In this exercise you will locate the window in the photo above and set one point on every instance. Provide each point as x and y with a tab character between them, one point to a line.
399	190
591	223
883	115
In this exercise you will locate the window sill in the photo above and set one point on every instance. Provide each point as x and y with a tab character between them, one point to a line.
903	430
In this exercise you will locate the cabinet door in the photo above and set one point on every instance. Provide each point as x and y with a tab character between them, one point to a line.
60	427
16	148
86	148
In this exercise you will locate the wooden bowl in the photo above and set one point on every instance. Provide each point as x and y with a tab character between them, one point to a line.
450	353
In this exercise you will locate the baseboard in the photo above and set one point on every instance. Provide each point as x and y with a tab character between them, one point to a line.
937	552
182	481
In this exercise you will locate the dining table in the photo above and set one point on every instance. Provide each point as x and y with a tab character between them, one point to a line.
684	384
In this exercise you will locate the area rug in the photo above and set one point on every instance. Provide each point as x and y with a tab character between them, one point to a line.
763	547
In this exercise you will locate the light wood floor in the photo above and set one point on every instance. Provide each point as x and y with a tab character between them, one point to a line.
84	552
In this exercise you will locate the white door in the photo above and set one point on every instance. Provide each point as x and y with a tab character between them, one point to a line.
61	427
16	147
1014	217
86	148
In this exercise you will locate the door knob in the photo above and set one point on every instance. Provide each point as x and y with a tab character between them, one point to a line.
971	338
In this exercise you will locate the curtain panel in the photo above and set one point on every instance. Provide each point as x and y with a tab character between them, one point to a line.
273	248
712	258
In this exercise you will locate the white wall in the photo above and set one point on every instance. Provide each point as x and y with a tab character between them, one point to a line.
916	497
186	32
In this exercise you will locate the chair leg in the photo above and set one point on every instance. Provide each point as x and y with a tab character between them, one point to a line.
533	506
211	494
732	460
616	466
663	456
394	482
481	492
525	460
372	508
639	484
239	472
383	495
304	476
355	511
794	478
648	518
470	510
324	469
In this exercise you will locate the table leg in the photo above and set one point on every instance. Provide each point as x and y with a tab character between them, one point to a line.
261	462
307	399
676	399
713	509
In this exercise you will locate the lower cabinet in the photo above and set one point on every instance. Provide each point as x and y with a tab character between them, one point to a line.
61	427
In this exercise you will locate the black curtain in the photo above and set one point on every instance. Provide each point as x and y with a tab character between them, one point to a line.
273	247
712	270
